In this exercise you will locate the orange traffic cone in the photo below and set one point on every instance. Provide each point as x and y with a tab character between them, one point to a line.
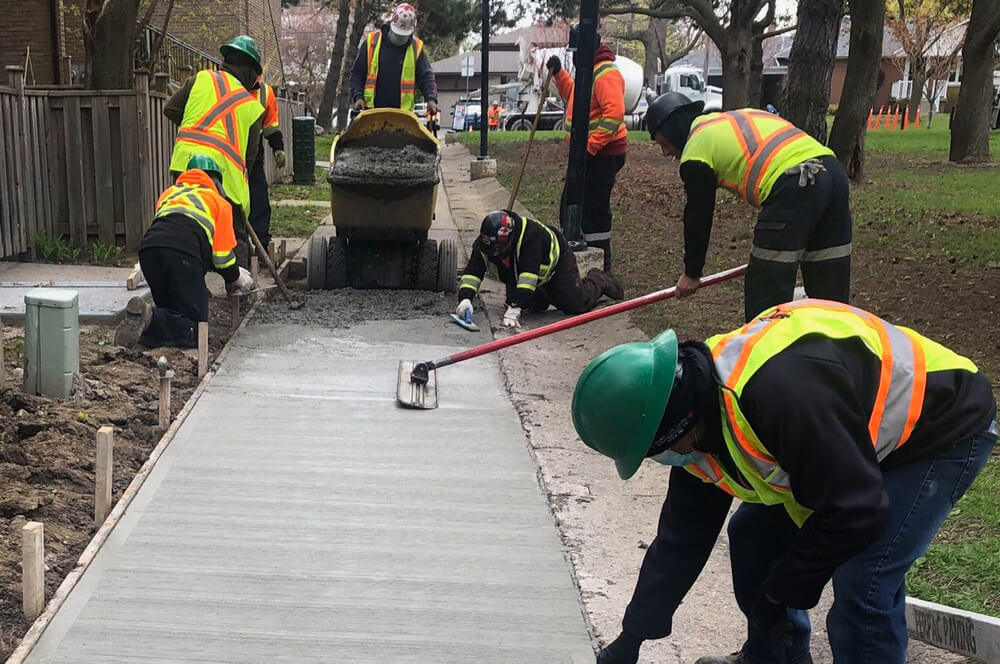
895	119
906	118
878	119
916	124
870	112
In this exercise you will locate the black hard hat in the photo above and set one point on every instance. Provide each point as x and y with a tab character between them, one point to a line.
495	232
663	106
574	37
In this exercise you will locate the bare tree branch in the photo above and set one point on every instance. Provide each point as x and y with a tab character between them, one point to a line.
159	38
775	33
680	12
147	17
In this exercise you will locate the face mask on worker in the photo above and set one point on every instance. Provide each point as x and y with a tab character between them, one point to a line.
398	40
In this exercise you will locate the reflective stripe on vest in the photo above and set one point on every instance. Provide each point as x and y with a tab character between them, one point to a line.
407	78
903	357
216	123
187	200
546	270
610	125
758	150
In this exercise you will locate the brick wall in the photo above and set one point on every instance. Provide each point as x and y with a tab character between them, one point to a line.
29	26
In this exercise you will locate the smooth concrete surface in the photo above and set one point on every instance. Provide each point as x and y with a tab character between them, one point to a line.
103	295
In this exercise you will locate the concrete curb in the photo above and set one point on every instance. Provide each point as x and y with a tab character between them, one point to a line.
38	627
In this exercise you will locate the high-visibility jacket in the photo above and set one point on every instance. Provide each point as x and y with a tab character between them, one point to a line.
607	105
494	116
217	121
749	149
194	195
407	79
905	356
269	101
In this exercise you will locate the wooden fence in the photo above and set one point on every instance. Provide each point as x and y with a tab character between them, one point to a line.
86	164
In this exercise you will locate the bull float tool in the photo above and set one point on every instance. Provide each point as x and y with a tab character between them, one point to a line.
417	381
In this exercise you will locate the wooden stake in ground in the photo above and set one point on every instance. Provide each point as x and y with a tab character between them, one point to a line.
103	473
33	569
165	376
254	274
282	251
202	349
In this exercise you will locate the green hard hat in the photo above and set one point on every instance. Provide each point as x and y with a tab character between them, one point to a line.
620	398
203	163
243	44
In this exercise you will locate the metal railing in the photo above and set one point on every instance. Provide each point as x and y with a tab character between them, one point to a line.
173	56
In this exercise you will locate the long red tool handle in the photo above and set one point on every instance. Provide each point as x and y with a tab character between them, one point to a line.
567	323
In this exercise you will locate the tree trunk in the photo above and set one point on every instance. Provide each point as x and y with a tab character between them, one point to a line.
361	10
970	122
919	74
810	66
109	29
756	80
336	62
736	67
860	84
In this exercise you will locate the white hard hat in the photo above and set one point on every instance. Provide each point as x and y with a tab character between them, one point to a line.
403	19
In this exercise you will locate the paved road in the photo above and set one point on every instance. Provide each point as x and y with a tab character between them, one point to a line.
301	516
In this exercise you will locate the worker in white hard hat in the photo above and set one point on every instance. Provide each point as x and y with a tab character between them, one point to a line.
392	64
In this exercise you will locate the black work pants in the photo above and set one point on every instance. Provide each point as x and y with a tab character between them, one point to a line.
808	227
602	170
177	283
566	291
260	204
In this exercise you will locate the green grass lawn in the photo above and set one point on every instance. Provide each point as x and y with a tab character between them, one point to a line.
319	191
296	221
323	143
471	139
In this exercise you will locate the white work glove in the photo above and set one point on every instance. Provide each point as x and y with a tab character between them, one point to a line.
463	306
243	283
512	318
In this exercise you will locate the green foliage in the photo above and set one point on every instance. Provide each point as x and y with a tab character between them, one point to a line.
296	221
52	248
105	254
443	24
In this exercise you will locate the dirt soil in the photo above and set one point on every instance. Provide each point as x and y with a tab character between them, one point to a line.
409	166
47	448
944	299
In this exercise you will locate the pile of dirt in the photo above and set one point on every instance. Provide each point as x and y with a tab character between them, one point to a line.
407	167
47	448
346	307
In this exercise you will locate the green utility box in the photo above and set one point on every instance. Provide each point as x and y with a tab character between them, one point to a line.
51	341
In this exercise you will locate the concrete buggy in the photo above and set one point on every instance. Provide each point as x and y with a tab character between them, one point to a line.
383	188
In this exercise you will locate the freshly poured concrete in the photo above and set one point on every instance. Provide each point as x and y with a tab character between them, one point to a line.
102	289
300	515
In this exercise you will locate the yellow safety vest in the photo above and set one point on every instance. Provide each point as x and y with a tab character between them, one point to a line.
749	149
217	120
199	203
906	357
407	79
526	280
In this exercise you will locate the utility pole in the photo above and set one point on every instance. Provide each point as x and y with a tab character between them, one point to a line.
484	85
577	170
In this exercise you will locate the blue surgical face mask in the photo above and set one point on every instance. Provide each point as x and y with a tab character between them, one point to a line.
671	458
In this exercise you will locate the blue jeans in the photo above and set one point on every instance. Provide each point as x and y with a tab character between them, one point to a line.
867	623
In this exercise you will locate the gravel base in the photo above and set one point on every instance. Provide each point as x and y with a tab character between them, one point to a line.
346	307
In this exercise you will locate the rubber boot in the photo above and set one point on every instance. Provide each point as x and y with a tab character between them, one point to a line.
607	258
138	313
609	285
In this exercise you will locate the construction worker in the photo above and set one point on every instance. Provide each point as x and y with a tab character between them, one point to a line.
192	232
535	263
847	439
260	204
801	188
391	64
607	141
219	115
493	115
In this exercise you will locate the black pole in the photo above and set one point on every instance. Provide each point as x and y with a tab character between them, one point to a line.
577	169
484	85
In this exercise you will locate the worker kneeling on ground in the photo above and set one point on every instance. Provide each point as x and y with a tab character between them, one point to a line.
801	188
192	232
535	263
848	439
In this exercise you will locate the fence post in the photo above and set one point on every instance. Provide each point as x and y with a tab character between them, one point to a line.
17	147
160	81
133	235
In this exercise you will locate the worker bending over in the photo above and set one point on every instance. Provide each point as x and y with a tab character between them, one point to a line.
607	140
848	441
192	232
799	185
535	263
391	64
260	204
219	116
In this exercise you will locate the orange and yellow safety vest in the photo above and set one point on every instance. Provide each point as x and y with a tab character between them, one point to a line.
194	195
407	79
267	99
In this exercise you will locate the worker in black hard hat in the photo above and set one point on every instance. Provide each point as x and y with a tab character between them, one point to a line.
800	187
535	263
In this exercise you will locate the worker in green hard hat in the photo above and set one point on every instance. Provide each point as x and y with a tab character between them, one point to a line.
847	439
219	115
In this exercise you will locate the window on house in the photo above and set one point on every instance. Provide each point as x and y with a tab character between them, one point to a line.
956	76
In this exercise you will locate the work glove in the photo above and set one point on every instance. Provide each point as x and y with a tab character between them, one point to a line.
243	283
512	318
463	307
623	650
807	171
554	64
280	159
432	107
359	105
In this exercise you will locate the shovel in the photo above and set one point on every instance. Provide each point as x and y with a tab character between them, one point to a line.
417	381
262	252
531	139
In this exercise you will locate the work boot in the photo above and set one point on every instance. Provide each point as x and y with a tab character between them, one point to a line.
609	285
138	313
607	260
743	658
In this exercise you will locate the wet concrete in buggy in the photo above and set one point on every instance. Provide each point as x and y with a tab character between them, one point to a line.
408	166
346	307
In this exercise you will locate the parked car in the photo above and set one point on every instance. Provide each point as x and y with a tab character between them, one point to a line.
420	110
